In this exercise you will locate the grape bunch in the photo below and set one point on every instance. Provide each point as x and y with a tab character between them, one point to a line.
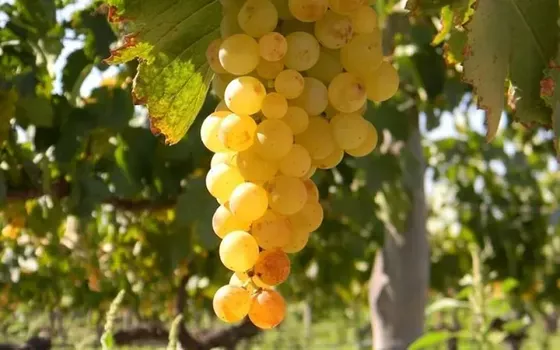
294	77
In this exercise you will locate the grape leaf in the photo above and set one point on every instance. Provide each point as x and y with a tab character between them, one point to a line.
169	38
516	37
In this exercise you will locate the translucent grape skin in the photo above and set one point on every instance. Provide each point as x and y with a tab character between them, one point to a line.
312	190
363	54
308	10
327	67
273	46
209	132
364	20
237	132
224	222
345	7
268	309
257	17
309	218
296	163
303	51
333	30
271	231
244	95
272	267
274	139
253	168
286	195
317	139
239	251
297	119
349	130
212	56
239	54
269	70
231	303
248	201
222	180
368	145
383	83
274	106
314	99
289	83
330	161
347	93
298	240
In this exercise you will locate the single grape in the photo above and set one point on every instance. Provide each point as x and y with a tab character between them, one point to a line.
239	251
272	267
213	58
297	119
347	93
226	157
317	139
364	20
210	129
239	54
222	180
274	139
253	168
368	145
383	83
283	9
257	17
308	10
363	54
345	7
330	161
303	51
296	163
333	30
289	83
349	130
298	240
312	190
248	201
231	303
286	195
308	219
274	106
271	230
273	46
327	67
237	132
224	222
244	95
268	309
314	99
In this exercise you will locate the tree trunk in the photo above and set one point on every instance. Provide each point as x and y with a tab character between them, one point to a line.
400	277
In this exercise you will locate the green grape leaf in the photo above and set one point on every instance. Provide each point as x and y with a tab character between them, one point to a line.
515	38
430	340
169	38
78	66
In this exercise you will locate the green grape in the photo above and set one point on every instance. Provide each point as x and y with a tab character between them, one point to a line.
272	267
237	132
368	145
297	119
273	46
363	54
257	17
224	221
239	251
349	130
269	70
274	139
248	201
347	93
345	7
286	195
383	83
296	163
289	83
213	58
244	95
330	161
303	51
239	54
231	303
308	10
314	99
333	30
364	20
327	67
283	10
222	180
271	230
308	219
317	138
210	129
253	168
274	106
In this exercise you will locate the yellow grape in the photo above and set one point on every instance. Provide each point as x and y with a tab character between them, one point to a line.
274	106
244	95
226	157
308	219
298	240
310	173
308	10
244	277
383	83
253	168
363	54
289	83
303	51
289	27
210	129
239	54
237	132
224	222
349	130
297	119
286	195
333	30
273	140
332	160
364	20
257	17
229	25
248	201
368	145
239	251
283	9
347	93
345	7
220	83
231	303
272	230
318	138
222	107
272	267
222	180
314	99
213	58
269	70
268	309
296	163
236	282
327	67
312	190
273	46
